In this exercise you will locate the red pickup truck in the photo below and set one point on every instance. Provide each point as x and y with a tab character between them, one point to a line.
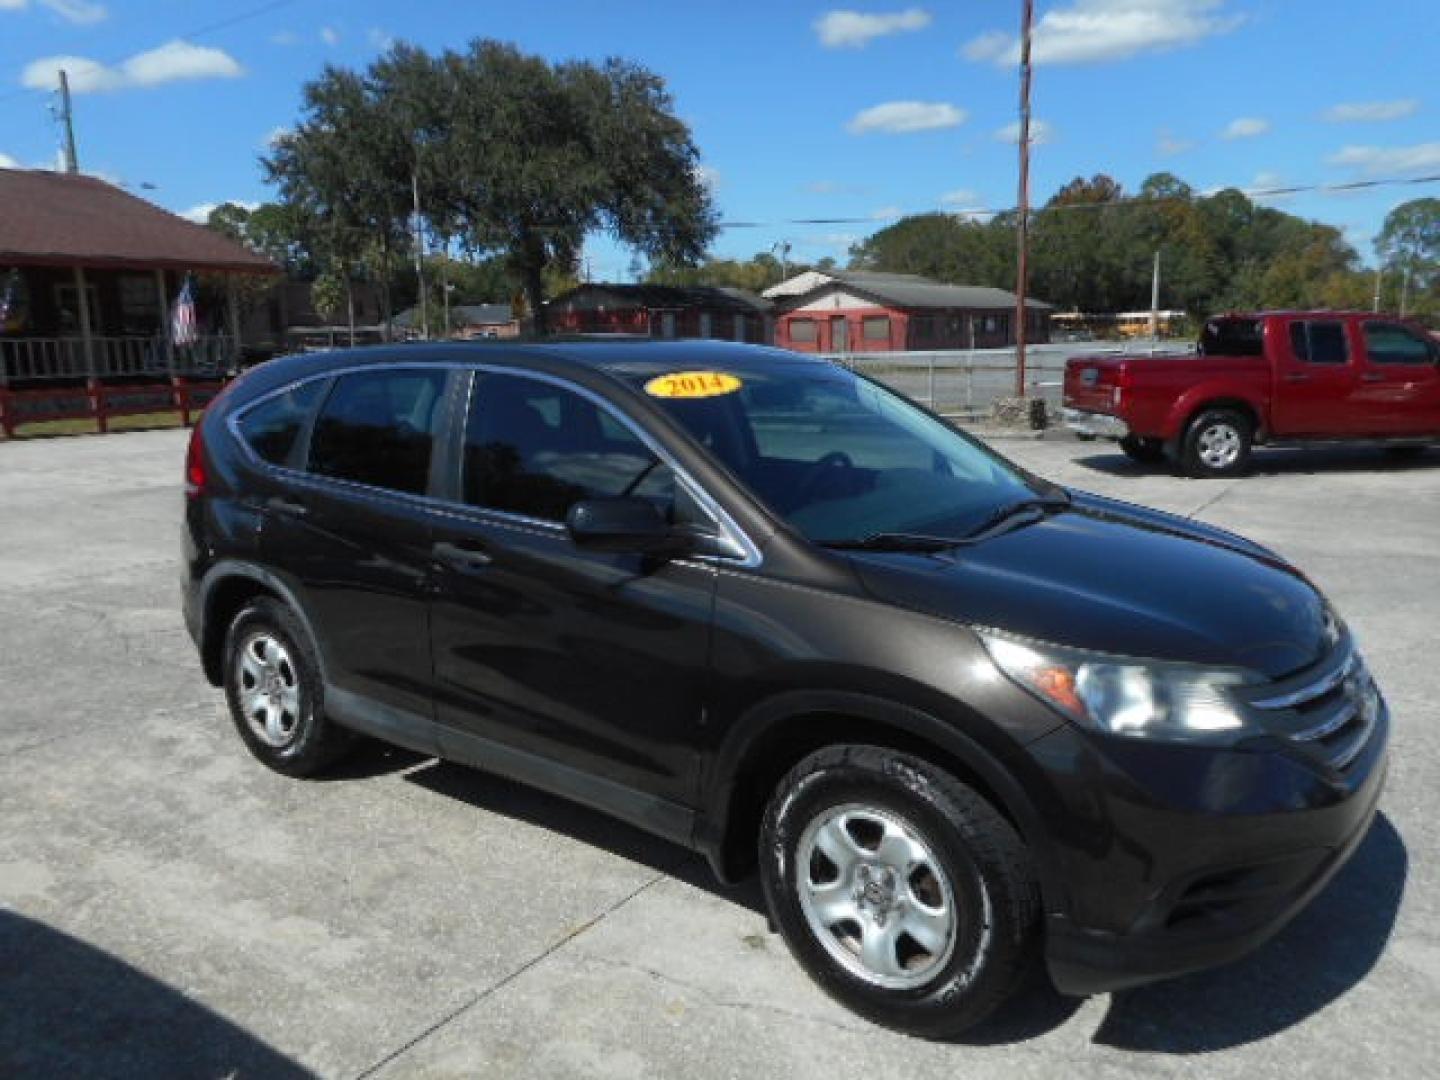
1269	377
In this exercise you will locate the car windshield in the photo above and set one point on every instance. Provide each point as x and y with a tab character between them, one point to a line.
842	459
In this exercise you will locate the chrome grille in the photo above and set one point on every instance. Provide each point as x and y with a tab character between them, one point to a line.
1329	713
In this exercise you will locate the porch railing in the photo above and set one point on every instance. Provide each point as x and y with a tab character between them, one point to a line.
28	360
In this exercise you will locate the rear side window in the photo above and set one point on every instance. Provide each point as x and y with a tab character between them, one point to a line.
1387	343
1319	342
378	428
1233	337
273	427
534	448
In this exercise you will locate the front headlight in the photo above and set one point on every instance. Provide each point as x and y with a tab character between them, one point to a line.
1122	696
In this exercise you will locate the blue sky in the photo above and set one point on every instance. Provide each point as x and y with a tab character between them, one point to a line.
801	110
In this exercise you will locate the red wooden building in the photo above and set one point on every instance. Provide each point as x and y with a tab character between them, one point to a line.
861	311
663	311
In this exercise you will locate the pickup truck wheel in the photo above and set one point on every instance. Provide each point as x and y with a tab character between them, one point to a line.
1217	443
906	896
1145	451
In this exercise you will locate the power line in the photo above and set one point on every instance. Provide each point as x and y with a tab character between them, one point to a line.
1251	193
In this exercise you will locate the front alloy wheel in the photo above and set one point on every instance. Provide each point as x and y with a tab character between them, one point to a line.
902	891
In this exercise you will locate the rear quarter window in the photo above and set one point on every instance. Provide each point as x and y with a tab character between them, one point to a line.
1233	337
272	428
378	428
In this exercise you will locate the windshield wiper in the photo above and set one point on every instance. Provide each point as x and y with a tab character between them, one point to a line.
1015	509
893	541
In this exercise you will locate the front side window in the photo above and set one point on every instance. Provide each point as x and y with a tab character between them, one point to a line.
536	449
273	427
1316	342
1387	343
843	459
378	428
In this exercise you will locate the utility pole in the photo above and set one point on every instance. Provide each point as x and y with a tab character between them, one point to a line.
1379	269
1022	228
67	118
1155	298
419	256
1405	289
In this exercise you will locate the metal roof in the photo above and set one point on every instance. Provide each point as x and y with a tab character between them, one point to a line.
461	315
63	219
914	291
659	297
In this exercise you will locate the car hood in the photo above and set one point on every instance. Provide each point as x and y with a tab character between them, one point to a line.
1119	579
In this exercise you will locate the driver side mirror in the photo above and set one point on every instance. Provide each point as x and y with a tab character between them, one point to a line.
623	526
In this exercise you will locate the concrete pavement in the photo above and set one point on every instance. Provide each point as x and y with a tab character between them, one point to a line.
169	907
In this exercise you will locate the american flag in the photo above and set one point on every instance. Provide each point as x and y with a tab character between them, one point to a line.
183	327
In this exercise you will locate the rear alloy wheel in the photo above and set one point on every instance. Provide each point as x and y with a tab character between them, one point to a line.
903	893
1144	450
273	688
1218	443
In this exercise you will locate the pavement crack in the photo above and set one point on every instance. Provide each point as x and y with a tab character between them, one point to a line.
1208	503
500	984
718	1002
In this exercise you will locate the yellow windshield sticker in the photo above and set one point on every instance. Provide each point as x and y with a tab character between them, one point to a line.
692	384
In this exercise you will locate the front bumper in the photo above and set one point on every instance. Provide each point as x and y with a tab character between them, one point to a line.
1199	869
1101	425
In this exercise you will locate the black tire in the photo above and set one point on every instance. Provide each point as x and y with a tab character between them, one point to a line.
303	742
1145	451
993	898
1217	444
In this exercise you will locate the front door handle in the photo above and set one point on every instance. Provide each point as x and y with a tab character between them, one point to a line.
1372	376
1297	378
282	505
466	560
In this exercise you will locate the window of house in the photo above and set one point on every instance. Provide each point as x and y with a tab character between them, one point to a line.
139	304
378	428
1319	342
922	327
68	305
802	329
536	449
1388	343
877	328
273	427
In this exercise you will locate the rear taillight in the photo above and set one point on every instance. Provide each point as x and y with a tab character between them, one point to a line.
195	463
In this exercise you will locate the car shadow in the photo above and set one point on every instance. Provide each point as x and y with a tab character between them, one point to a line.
1319	957
1282	461
497	795
70	1009
1329	948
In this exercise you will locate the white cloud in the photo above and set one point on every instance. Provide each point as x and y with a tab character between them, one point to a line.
381	39
200	213
174	61
827	241
285	38
709	176
273	136
1389	160
1245	127
834	187
887	213
1041	132
989	46
1267	182
78	12
329	35
1361	112
903	117
1096	31
962	199
6	161
855	30
1168	145
13	5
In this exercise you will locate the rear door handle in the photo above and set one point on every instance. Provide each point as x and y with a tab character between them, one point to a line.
1297	378
1372	376
466	560
282	505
